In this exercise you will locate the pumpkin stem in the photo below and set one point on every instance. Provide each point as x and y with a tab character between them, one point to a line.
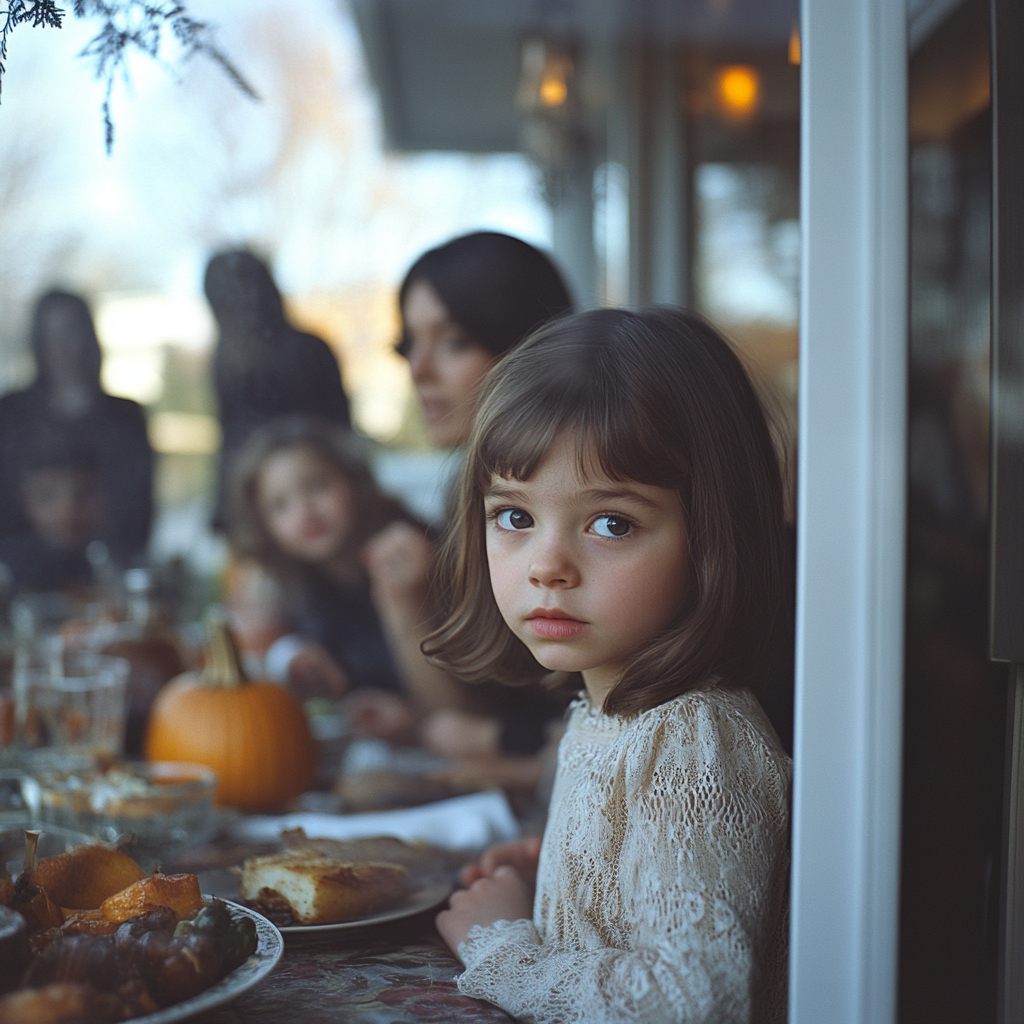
31	842
223	667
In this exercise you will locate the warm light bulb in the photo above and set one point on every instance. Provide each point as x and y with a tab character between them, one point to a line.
553	90
739	90
794	45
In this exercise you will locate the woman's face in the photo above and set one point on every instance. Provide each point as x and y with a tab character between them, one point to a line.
305	505
446	364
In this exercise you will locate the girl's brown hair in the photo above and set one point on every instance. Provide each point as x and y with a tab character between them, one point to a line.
657	397
339	448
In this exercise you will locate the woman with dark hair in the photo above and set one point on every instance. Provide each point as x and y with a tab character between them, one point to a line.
463	306
66	398
263	368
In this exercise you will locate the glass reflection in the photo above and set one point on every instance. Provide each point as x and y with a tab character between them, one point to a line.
955	698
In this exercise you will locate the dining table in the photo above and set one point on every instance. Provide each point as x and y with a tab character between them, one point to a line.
398	972
395	973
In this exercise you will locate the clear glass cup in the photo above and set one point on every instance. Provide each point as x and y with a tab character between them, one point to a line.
71	713
152	811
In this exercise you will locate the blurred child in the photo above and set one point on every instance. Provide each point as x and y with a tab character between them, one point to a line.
62	502
302	505
66	405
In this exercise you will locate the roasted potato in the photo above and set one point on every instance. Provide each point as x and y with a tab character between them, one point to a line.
179	892
84	878
89	922
58	1003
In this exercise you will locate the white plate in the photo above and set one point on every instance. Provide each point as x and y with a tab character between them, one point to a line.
427	896
269	948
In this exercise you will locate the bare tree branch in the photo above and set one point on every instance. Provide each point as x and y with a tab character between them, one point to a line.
37	13
125	26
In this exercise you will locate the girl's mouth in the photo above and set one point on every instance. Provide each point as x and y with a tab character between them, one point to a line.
555	625
314	531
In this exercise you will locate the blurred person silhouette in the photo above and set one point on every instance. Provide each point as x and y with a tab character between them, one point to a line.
302	503
66	400
463	306
60	496
263	368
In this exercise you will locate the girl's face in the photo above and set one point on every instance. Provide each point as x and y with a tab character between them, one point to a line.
305	504
446	364
584	568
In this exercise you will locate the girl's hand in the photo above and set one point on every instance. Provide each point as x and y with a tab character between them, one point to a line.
522	855
502	897
312	672
381	715
398	561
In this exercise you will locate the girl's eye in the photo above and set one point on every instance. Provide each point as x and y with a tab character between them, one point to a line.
612	526
513	519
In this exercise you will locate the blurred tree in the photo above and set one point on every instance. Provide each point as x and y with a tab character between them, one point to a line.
125	26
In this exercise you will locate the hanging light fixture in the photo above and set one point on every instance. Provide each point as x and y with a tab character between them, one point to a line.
548	98
737	91
548	73
794	44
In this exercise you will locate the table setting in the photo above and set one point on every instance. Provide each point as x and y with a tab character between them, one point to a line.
240	790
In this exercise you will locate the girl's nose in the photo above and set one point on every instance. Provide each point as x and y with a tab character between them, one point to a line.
553	566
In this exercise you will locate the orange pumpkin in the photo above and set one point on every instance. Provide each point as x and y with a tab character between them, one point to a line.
254	735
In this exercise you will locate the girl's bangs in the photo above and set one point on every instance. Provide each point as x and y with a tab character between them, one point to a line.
611	434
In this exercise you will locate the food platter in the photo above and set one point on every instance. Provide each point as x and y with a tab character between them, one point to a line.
268	951
428	895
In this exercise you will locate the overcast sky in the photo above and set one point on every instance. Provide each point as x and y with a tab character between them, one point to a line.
197	166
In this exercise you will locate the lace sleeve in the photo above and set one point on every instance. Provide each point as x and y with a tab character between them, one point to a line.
699	883
508	965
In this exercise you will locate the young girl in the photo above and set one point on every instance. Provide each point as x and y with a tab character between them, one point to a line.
620	517
302	506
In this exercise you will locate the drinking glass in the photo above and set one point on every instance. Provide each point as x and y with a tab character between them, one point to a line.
72	712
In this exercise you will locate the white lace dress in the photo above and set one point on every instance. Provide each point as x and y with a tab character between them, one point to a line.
662	892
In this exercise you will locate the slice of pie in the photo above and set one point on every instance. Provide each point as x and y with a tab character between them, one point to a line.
312	889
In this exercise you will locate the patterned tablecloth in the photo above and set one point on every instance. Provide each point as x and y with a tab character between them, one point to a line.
388	974
395	973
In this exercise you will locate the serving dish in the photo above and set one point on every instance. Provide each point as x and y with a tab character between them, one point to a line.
152	810
53	841
270	946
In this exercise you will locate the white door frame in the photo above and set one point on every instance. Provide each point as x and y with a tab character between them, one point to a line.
851	512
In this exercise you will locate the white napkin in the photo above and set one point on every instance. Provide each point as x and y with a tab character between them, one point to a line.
462	823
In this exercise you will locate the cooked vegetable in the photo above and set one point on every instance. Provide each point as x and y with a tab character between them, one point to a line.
88	959
39	911
235	937
14	950
59	1002
191	965
88	922
122	960
178	892
84	878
